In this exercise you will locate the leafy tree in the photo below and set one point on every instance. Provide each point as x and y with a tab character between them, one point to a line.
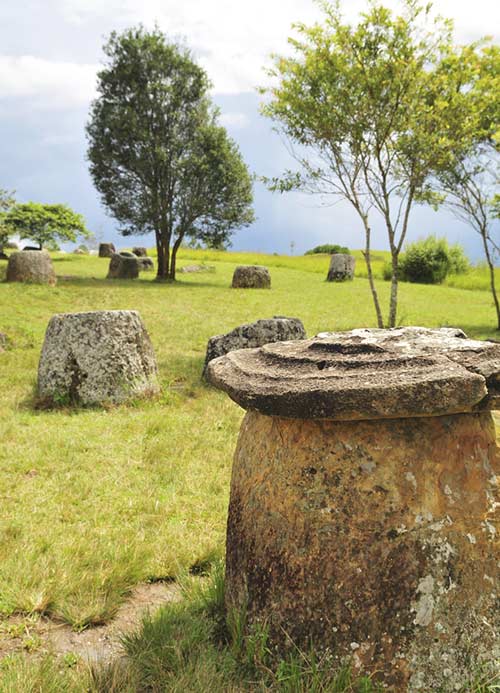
46	224
157	156
6	202
375	110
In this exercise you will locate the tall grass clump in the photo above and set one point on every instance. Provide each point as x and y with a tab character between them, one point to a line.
191	646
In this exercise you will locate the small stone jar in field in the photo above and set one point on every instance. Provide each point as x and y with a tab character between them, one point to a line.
32	267
123	266
106	249
341	268
251	277
363	501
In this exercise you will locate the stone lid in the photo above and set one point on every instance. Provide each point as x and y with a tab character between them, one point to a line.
364	374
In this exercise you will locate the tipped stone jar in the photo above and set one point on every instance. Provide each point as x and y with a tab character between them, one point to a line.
95	358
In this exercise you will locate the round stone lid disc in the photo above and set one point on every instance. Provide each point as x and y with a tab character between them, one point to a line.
364	374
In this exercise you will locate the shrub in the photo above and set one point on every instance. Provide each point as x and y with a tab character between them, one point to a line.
327	249
429	261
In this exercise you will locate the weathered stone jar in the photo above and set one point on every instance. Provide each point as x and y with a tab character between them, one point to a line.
94	358
363	500
341	268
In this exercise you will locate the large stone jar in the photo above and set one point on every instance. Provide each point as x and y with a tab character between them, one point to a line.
363	500
95	358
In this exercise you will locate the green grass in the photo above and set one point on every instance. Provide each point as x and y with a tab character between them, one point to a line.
94	501
475	279
189	646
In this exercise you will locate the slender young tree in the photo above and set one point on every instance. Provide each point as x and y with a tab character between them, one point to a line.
370	112
469	189
158	156
469	184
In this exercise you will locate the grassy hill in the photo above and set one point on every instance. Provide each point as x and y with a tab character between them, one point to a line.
95	501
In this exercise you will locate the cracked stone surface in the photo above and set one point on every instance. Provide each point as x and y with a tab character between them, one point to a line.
254	334
32	266
95	358
364	374
251	277
341	268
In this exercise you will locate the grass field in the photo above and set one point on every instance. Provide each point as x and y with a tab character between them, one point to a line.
95	501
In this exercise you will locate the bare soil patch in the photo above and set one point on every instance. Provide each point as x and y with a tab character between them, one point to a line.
38	634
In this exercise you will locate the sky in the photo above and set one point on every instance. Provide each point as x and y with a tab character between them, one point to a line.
51	51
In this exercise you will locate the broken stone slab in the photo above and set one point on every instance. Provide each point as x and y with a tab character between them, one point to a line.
365	374
251	277
341	268
363	503
31	266
123	265
96	358
254	334
190	269
106	249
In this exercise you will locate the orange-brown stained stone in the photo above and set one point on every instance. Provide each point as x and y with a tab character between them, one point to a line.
375	539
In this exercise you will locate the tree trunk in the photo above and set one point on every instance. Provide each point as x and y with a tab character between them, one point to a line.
163	250
393	305
173	258
491	267
367	256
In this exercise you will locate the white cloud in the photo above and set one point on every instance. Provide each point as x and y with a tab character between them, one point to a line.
232	39
46	83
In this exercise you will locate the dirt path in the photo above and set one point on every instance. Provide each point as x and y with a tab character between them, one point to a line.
97	644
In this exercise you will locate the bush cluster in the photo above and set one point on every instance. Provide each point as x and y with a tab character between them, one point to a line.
327	249
429	261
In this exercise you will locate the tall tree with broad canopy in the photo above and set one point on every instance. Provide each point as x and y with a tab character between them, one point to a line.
371	112
157	155
46	223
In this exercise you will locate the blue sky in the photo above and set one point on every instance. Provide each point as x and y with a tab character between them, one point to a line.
50	53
